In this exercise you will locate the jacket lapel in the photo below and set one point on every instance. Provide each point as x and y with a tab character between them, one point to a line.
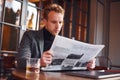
41	40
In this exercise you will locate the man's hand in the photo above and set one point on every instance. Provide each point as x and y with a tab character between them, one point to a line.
91	64
46	58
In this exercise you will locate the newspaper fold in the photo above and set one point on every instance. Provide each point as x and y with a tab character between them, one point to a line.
71	54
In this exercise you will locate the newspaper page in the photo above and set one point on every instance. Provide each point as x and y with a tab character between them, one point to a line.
72	54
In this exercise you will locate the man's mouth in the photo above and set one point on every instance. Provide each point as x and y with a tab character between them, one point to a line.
56	31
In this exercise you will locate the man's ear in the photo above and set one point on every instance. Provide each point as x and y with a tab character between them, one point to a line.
44	22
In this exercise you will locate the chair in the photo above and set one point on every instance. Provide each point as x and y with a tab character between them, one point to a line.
8	64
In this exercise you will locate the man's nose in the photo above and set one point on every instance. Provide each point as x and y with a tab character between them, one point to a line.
57	25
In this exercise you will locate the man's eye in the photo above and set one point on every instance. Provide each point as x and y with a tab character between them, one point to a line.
60	22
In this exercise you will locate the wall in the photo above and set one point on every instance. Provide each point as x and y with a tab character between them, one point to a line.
114	39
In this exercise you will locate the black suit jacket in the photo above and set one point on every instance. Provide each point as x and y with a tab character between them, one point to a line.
31	45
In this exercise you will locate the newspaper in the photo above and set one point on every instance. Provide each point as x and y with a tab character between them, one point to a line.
71	54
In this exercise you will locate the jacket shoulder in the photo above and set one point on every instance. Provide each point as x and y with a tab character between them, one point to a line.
32	33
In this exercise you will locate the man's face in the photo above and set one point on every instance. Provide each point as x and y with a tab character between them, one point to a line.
54	22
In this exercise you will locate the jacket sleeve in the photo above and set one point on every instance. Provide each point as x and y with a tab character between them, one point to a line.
24	51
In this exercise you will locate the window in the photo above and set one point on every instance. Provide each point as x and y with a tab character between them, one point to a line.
1	7
10	24
76	19
15	18
32	16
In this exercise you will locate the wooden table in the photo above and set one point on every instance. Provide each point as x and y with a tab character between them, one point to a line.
21	75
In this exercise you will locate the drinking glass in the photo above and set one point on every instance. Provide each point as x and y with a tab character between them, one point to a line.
33	65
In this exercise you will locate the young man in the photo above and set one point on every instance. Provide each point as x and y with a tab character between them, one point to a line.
36	44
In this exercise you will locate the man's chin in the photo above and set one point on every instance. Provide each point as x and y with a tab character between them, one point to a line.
55	34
